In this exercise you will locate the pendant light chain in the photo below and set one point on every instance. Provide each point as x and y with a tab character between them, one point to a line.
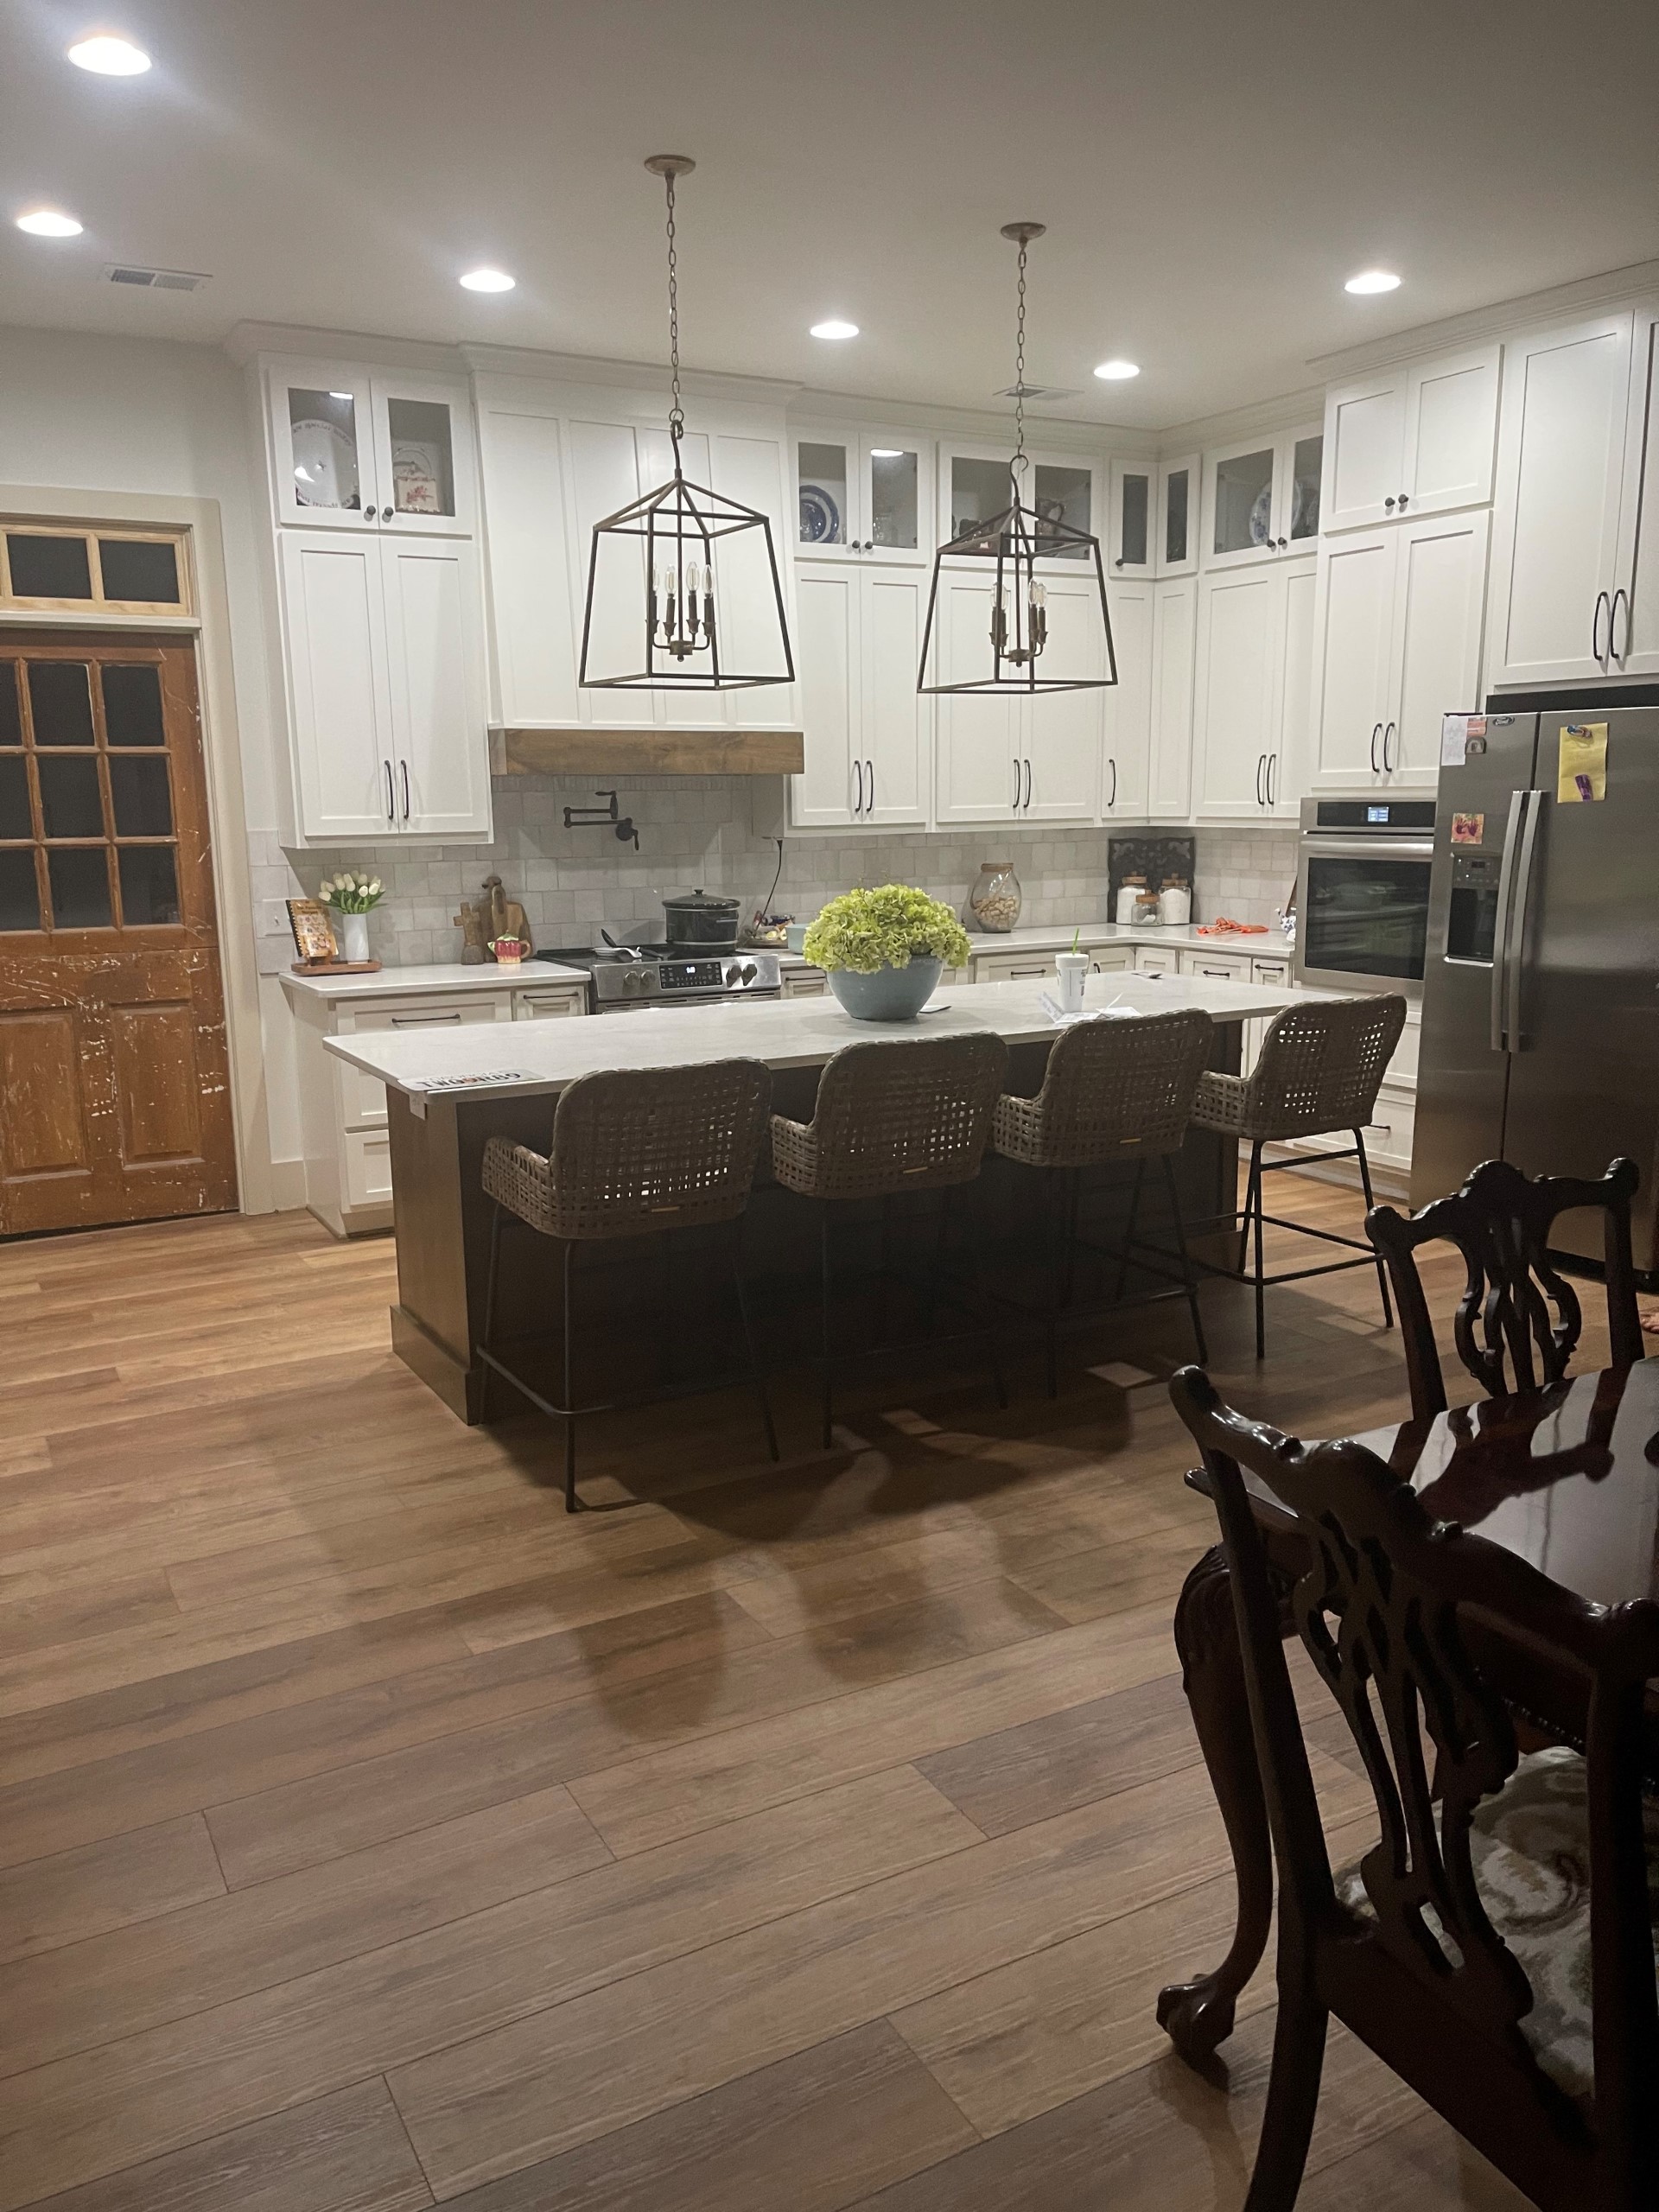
675	413
1018	464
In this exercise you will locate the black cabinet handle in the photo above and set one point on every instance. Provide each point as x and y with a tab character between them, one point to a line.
1112	800
1620	653
1027	786
1595	626
1016	783
1273	764
1260	770
1388	506
1376	732
869	787
404	767
1389	766
391	808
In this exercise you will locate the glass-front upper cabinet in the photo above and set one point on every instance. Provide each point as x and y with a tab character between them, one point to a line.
861	494
1176	520
976	485
1132	549
1263	499
353	449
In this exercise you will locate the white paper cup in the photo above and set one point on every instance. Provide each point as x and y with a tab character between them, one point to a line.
1071	968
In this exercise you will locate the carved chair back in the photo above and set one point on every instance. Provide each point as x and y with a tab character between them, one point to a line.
1411	1960
1519	1320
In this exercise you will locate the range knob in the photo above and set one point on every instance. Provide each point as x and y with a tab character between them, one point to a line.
633	980
740	971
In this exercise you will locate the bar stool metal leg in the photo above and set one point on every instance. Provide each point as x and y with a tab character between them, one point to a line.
1261	1272
1187	1275
1365	1185
568	1392
755	1369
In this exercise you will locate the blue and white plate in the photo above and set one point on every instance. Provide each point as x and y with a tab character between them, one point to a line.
820	516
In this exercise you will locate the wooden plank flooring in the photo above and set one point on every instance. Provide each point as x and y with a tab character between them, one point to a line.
373	1836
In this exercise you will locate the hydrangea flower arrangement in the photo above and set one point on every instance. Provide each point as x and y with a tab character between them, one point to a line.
867	930
352	895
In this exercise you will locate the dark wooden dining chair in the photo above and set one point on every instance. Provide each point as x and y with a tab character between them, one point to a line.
1494	1947
1505	1333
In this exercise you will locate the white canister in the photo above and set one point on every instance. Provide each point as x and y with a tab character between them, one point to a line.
1128	891
1071	968
1175	903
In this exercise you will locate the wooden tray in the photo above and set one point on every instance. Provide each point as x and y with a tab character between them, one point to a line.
336	967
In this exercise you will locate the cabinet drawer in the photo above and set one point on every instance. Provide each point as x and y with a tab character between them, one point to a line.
1154	960
1270	971
1110	959
547	1005
362	1097
1224	967
1013	966
805	983
367	1159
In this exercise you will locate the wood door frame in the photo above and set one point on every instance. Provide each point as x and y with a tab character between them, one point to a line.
210	626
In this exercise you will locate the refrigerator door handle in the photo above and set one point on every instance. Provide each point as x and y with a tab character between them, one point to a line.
1501	926
1516	956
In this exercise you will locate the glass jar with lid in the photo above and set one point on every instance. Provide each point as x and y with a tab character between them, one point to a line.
995	900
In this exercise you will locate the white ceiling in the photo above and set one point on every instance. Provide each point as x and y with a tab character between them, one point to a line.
1210	171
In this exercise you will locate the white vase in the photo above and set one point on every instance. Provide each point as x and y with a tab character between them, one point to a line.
353	936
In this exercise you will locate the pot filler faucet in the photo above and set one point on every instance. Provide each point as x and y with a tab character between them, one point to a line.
595	817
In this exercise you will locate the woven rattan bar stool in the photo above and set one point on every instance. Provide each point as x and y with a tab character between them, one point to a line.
892	1117
641	1152
1112	1091
1317	1075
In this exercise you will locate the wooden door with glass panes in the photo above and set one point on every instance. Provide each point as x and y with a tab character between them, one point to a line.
114	1078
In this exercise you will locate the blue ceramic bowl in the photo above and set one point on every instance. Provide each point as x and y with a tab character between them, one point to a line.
890	995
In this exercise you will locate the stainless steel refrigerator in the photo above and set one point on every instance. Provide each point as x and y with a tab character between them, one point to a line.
1541	990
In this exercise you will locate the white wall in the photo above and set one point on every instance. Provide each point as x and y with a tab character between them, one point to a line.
117	415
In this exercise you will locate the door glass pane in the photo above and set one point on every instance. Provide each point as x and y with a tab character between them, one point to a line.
1244	501
979	489
1132	524
893	498
11	713
1063	495
70	804
1177	487
144	805
149	887
140	568
79	878
48	567
61	701
322	432
822	484
132	704
423	457
1367	918
1305	488
14	797
20	903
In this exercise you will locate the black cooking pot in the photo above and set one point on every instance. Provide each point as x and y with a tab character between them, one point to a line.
700	922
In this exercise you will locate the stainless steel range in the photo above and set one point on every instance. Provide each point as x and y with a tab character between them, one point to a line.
622	979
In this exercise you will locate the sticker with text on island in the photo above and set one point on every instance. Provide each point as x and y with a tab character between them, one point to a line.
1582	776
1460	736
1468	829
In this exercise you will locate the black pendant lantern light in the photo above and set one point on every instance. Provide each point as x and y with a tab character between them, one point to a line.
664	612
1019	655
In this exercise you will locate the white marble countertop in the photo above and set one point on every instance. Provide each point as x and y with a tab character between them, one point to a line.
442	976
784	1033
1057	936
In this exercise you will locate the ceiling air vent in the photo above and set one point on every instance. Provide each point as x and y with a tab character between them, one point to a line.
156	280
1036	391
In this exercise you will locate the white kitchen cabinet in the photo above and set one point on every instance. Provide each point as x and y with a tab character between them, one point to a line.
1033	967
385	663
1177	519
1125	763
1398	632
804	983
369	450
862	493
1411	440
1562	466
865	728
974	485
1131	548
1001	759
549	1002
1219	967
1156	960
1252	690
1174	634
1261	498
1633	614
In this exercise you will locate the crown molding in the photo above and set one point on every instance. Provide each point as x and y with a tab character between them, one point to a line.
1285	412
976	424
1614	287
637	376
245	339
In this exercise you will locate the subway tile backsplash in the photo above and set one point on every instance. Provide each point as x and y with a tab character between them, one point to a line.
721	832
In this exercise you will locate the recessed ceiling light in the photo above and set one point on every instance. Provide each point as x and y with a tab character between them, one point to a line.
48	223
835	329
488	280
1117	372
107	54
1373	280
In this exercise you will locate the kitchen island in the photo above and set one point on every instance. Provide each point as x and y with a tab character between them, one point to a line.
438	1136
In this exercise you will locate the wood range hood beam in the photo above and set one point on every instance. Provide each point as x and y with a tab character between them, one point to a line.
650	753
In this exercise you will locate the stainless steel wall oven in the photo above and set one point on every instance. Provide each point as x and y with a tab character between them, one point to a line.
1362	894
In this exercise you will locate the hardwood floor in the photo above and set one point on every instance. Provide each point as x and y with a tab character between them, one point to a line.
372	1835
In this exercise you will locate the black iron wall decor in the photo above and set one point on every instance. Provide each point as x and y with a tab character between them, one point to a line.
1031	642
663	613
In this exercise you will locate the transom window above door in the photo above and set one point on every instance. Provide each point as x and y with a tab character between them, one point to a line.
88	833
49	567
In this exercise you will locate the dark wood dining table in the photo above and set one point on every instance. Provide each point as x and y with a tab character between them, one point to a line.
1566	1477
